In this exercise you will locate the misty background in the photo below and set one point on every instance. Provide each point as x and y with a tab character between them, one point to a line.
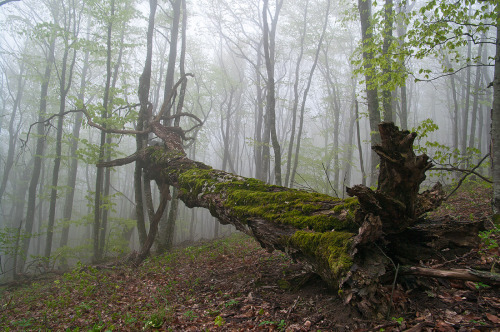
61	56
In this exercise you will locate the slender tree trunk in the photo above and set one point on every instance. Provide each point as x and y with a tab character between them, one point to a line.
495	127
65	81
475	103
364	7
360	147
174	36
259	121
386	68
141	140
99	185
13	132
465	114
269	56
304	97
107	173
39	152
296	95
71	184
168	231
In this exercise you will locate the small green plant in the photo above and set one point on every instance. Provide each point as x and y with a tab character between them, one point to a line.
281	325
155	321
24	323
219	321
231	303
190	315
480	285
129	319
97	327
398	320
490	239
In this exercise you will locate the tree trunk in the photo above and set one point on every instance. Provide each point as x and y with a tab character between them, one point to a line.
334	238
269	56
360	147
71	184
495	128
65	81
13	132
99	184
306	92
364	7
296	96
386	67
39	152
141	140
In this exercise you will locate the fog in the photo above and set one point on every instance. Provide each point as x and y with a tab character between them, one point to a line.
61	57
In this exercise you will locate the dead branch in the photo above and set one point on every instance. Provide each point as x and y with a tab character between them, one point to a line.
491	279
467	171
6	2
466	175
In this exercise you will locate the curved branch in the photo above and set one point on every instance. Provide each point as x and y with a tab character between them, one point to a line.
6	2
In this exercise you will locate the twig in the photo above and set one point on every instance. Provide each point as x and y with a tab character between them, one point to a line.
466	175
46	122
329	182
392	291
6	2
292	307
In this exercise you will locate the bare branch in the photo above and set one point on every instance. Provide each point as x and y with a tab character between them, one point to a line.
6	2
460	274
472	171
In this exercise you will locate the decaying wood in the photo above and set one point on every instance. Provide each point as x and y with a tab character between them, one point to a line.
487	278
352	244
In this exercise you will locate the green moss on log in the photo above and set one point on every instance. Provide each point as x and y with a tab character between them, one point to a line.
251	198
331	248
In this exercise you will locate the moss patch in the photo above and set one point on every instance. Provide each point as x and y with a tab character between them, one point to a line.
251	198
332	248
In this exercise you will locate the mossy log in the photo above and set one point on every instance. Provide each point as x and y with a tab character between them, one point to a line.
346	242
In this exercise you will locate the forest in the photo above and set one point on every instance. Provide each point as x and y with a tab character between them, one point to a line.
234	164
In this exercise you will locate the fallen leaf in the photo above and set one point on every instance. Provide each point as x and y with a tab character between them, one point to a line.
493	318
444	327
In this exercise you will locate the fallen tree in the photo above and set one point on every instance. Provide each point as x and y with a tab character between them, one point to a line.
353	244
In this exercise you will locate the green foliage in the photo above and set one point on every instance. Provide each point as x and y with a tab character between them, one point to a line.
219	321
190	315
9	236
398	320
491	244
439	153
281	325
231	303
442	27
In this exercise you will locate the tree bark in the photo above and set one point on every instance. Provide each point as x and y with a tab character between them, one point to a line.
39	152
65	81
364	7
495	128
99	185
68	203
386	68
269	56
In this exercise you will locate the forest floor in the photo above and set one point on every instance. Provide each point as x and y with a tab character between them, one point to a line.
234	285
